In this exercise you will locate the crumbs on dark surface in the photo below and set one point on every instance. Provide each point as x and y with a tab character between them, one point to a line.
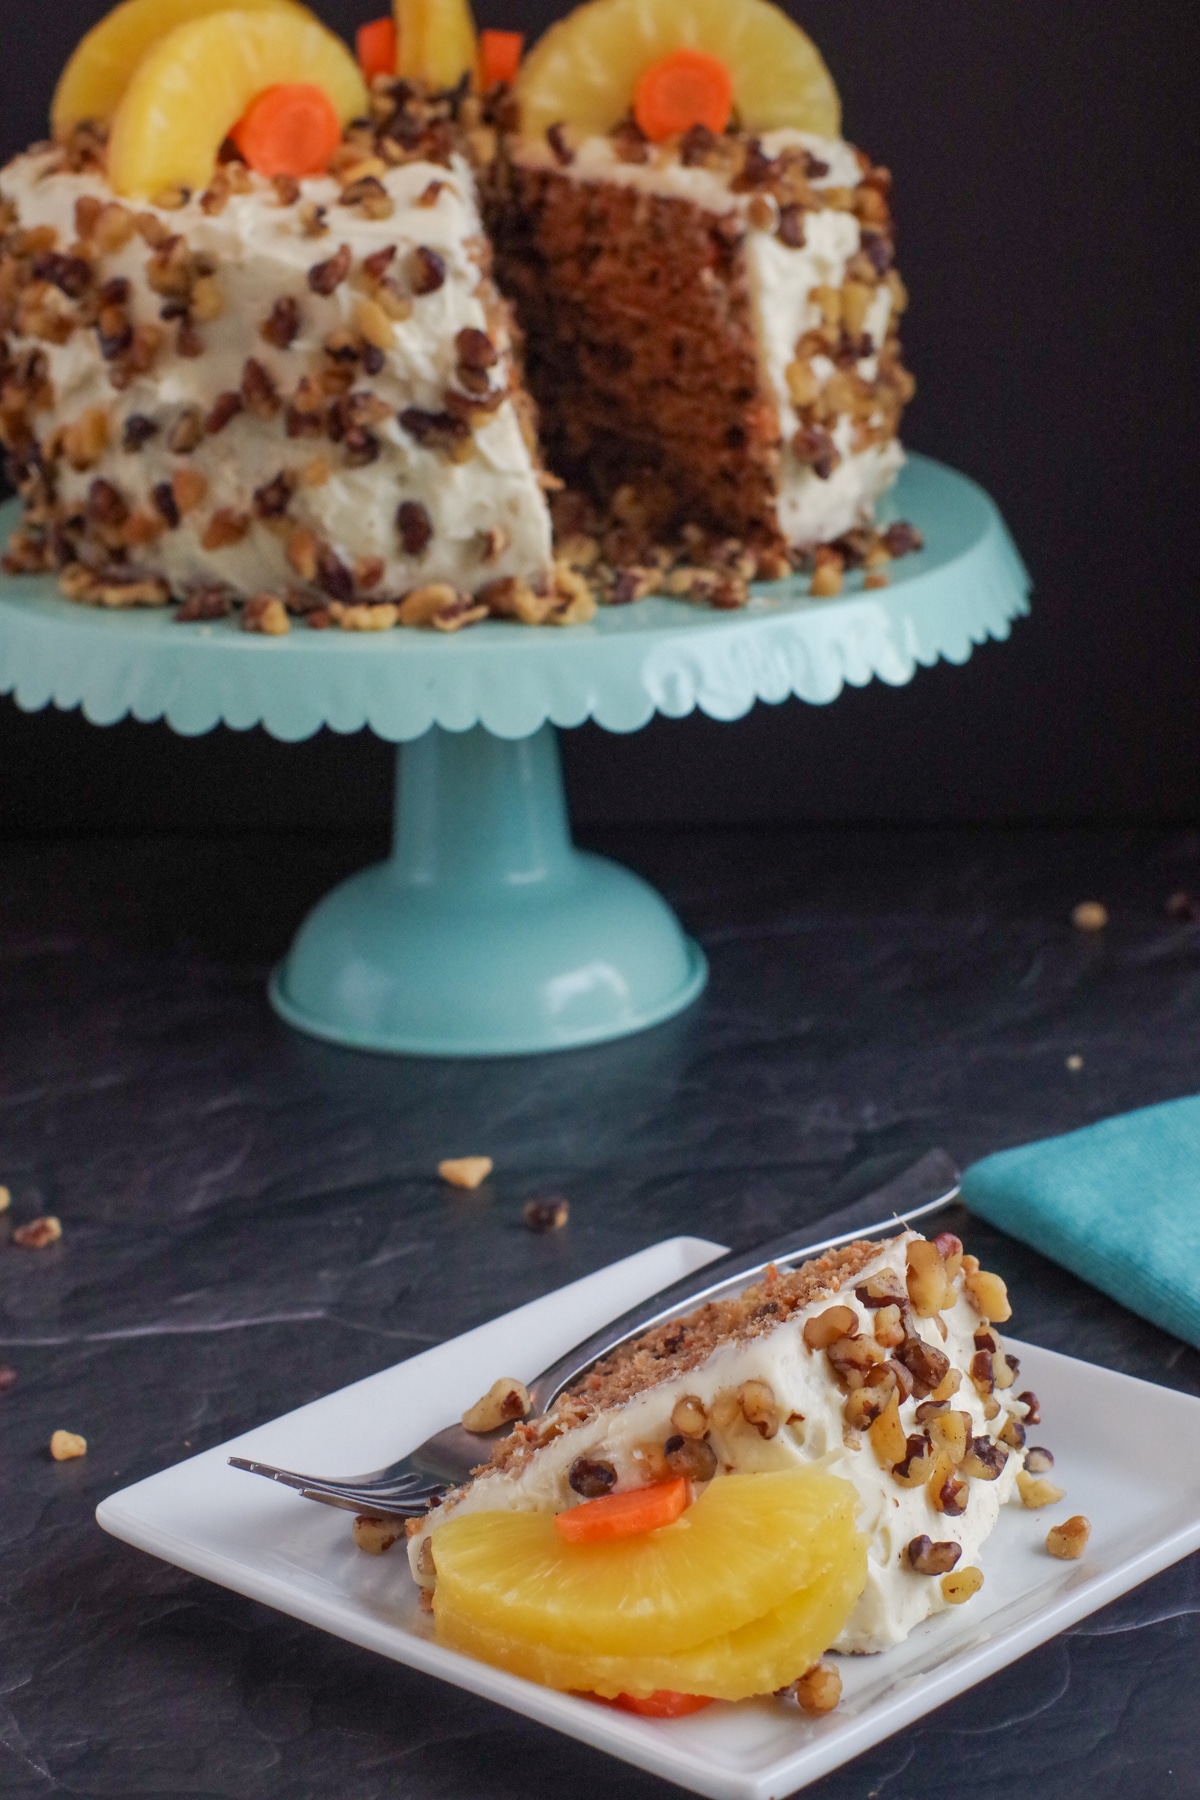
541	1216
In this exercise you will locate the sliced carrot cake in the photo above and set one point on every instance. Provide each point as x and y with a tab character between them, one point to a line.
873	1379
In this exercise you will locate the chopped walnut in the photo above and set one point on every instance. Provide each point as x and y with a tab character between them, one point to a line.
990	1295
267	615
188	489
827	582
225	408
312	220
326	277
541	1216
204	603
39	1234
1036	1492
375	1535
66	1446
760	1408
961	1586
427	270
466	1171
688	1416
505	1401
591	1480
281	327
927	1558
259	393
226	528
827	1327
1069	1540
186	432
691	1457
819	1691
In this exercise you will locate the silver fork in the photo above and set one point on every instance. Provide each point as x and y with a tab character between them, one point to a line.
407	1487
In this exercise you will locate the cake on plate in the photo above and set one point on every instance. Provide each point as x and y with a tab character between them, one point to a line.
257	334
817	1464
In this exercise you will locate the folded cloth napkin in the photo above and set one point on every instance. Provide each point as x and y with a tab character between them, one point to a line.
1117	1203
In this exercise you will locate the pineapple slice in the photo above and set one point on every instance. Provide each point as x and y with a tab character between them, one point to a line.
585	70
739	1596
758	1658
194	86
104	61
437	40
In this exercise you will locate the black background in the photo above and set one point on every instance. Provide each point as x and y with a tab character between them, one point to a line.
1046	163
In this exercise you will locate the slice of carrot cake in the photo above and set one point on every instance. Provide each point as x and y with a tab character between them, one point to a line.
879	1365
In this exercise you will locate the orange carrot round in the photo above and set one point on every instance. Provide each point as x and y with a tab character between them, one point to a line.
377	48
686	88
290	129
499	57
662	1704
624	1515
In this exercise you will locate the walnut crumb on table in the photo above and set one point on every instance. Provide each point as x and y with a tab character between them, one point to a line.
66	1446
38	1234
546	1215
466	1171
1090	915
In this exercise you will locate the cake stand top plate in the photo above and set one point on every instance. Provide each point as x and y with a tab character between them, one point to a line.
659	655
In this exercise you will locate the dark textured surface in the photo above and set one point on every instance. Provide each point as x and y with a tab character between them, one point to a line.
251	1221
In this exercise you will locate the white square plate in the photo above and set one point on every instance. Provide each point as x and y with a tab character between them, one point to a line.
261	1540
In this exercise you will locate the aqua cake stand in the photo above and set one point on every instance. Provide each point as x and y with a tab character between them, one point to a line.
487	932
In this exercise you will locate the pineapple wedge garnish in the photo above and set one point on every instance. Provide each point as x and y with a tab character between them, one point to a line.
438	45
193	87
585	70
738	1597
103	62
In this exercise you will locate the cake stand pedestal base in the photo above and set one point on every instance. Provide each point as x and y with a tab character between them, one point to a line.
487	932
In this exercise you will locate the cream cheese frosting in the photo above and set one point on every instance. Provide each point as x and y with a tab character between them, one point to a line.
485	509
895	1598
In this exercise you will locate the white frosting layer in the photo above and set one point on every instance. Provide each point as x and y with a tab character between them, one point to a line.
262	255
895	1599
783	279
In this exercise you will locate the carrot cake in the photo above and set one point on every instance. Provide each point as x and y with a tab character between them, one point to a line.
257	343
877	1367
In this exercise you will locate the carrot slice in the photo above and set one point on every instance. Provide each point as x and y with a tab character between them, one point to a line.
499	57
378	48
290	129
624	1515
687	88
662	1704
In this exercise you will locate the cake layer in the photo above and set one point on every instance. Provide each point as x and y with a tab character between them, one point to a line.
750	1390
269	386
721	312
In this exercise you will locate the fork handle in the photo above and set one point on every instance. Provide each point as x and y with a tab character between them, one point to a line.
931	1183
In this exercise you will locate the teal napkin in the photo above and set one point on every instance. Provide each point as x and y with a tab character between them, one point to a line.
1117	1203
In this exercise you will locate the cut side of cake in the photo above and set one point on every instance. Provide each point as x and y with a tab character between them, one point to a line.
877	1366
715	321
